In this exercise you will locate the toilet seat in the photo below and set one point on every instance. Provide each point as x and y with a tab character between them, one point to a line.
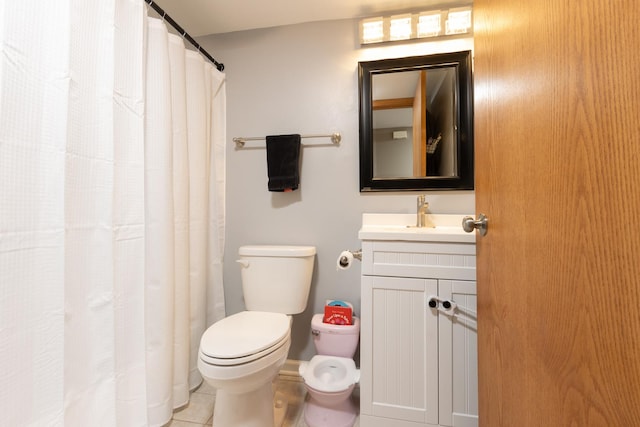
244	337
329	374
245	359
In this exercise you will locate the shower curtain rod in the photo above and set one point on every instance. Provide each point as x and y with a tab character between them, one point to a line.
184	34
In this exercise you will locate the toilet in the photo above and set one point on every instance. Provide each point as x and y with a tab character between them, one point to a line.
331	376
241	354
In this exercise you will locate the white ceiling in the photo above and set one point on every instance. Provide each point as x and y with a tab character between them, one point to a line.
202	17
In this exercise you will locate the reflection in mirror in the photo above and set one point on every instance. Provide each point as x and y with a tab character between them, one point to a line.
398	151
415	123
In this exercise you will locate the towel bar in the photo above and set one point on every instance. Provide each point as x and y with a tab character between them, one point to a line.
239	140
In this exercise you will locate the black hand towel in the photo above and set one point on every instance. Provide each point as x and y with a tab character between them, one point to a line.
283	154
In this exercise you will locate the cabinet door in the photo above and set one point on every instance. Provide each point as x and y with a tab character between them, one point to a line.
458	340
399	354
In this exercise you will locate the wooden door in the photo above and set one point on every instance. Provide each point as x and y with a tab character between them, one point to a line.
557	125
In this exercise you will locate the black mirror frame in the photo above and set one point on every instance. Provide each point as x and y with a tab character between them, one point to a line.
465	179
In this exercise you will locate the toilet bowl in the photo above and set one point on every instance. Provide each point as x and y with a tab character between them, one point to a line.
331	376
241	354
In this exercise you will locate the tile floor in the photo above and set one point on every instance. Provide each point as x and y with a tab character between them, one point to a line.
199	411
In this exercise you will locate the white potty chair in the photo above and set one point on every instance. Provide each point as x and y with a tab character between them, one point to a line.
330	381
331	376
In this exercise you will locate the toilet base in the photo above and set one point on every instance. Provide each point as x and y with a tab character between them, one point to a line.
341	415
233	409
252	409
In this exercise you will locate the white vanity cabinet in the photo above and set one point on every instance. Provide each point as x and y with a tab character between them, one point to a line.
418	365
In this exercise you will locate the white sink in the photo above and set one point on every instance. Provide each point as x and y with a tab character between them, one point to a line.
448	228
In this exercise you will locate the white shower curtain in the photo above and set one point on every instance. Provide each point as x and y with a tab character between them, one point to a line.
111	213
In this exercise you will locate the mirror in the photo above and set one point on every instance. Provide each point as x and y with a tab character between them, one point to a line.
416	123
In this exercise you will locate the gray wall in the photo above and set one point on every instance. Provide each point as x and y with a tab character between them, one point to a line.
303	79
392	157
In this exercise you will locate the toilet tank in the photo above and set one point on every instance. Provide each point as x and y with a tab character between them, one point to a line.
335	340
276	279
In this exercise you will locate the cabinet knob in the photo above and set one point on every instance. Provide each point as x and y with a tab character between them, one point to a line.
445	306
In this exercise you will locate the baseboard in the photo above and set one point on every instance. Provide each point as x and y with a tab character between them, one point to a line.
290	370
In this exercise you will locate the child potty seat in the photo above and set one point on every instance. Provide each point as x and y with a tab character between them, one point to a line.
329	374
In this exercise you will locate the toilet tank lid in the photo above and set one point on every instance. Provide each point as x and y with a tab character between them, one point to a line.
277	251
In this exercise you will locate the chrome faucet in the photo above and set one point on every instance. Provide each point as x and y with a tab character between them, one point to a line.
422	218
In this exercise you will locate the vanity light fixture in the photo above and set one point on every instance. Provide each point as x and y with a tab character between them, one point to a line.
458	21
372	30
416	25
429	24
400	27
